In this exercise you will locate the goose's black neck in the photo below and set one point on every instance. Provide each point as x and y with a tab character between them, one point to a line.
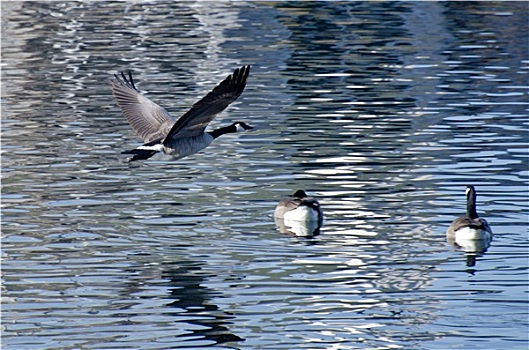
471	203
225	130
237	126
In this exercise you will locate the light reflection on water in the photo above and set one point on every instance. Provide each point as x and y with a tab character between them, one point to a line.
384	111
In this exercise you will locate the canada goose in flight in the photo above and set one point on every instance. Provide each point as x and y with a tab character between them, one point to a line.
299	213
185	136
470	226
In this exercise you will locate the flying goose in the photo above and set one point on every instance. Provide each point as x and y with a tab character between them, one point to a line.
185	136
470	226
299	213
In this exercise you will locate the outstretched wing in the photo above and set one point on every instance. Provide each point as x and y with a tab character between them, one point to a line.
149	121
198	117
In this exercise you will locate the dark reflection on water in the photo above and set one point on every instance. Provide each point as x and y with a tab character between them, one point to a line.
384	110
185	283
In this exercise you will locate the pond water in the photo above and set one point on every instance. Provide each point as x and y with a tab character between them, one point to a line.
384	111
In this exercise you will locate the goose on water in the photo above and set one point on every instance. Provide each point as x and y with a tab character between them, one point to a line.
185	136
299	213
469	232
470	226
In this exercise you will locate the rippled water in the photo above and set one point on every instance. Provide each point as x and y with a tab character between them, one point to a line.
383	110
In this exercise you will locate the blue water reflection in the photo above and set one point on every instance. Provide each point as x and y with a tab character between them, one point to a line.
384	110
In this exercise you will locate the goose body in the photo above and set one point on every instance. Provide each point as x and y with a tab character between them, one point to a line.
469	232
470	226
299	213
177	139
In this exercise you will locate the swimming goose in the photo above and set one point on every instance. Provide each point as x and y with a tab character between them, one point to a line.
469	226
301	213
186	136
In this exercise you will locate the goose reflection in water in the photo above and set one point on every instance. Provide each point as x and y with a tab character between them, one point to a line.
299	214
298	228
193	303
469	232
473	248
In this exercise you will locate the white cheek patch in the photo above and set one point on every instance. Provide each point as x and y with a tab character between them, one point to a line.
238	128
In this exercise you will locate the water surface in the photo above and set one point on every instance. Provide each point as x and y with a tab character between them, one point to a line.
383	110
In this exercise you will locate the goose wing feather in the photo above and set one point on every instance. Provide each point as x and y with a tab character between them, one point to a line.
194	122
286	205
465	221
149	120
